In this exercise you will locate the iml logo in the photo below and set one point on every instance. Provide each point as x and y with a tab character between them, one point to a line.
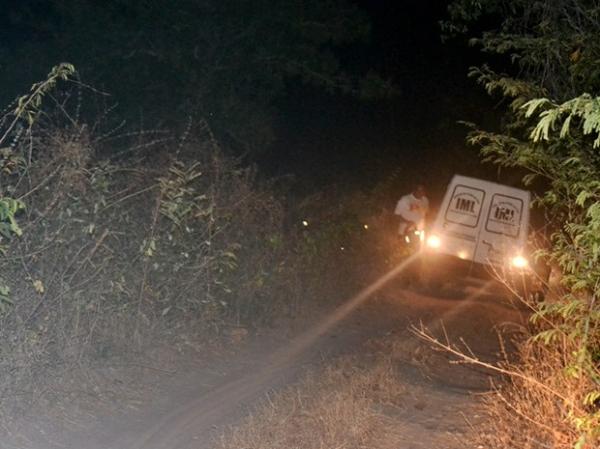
505	213
463	204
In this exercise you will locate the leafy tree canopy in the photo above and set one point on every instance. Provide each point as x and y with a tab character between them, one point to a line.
553	44
549	75
226	60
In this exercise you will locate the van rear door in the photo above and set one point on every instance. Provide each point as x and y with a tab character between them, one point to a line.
459	218
503	234
482	221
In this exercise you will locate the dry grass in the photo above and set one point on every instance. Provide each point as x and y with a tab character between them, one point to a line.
538	402
532	409
336	408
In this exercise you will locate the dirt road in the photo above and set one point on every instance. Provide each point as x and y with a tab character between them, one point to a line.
193	412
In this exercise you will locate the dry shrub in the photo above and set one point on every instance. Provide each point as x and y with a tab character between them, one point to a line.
531	410
338	250
133	251
103	278
333	408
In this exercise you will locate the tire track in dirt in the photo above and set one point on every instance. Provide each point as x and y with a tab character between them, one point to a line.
188	425
193	420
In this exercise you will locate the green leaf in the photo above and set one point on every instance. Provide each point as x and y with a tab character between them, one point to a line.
564	130
582	197
591	398
580	442
547	336
532	105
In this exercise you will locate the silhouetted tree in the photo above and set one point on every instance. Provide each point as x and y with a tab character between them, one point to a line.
226	60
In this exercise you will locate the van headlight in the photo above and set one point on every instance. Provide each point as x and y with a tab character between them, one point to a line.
519	262
434	242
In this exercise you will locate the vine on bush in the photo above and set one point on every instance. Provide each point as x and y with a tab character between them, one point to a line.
27	108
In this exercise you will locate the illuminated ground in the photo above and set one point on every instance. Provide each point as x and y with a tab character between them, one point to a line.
194	408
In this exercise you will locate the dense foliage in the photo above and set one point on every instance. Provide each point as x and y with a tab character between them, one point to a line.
547	56
111	256
224	61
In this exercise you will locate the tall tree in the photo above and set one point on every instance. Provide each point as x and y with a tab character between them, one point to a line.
226	60
547	56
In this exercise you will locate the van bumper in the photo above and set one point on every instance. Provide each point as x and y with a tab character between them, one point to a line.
438	269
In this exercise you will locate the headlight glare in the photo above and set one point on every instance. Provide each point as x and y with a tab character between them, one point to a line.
434	241
519	262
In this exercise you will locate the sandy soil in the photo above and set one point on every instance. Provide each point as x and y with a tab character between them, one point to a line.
194	408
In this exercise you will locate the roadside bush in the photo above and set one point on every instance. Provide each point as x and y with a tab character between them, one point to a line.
120	257
540	382
138	246
551	130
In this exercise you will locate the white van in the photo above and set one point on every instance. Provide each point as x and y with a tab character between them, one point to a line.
482	222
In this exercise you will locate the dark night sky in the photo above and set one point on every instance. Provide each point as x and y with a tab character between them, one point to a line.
327	139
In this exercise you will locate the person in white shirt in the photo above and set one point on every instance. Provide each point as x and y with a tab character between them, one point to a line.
412	209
